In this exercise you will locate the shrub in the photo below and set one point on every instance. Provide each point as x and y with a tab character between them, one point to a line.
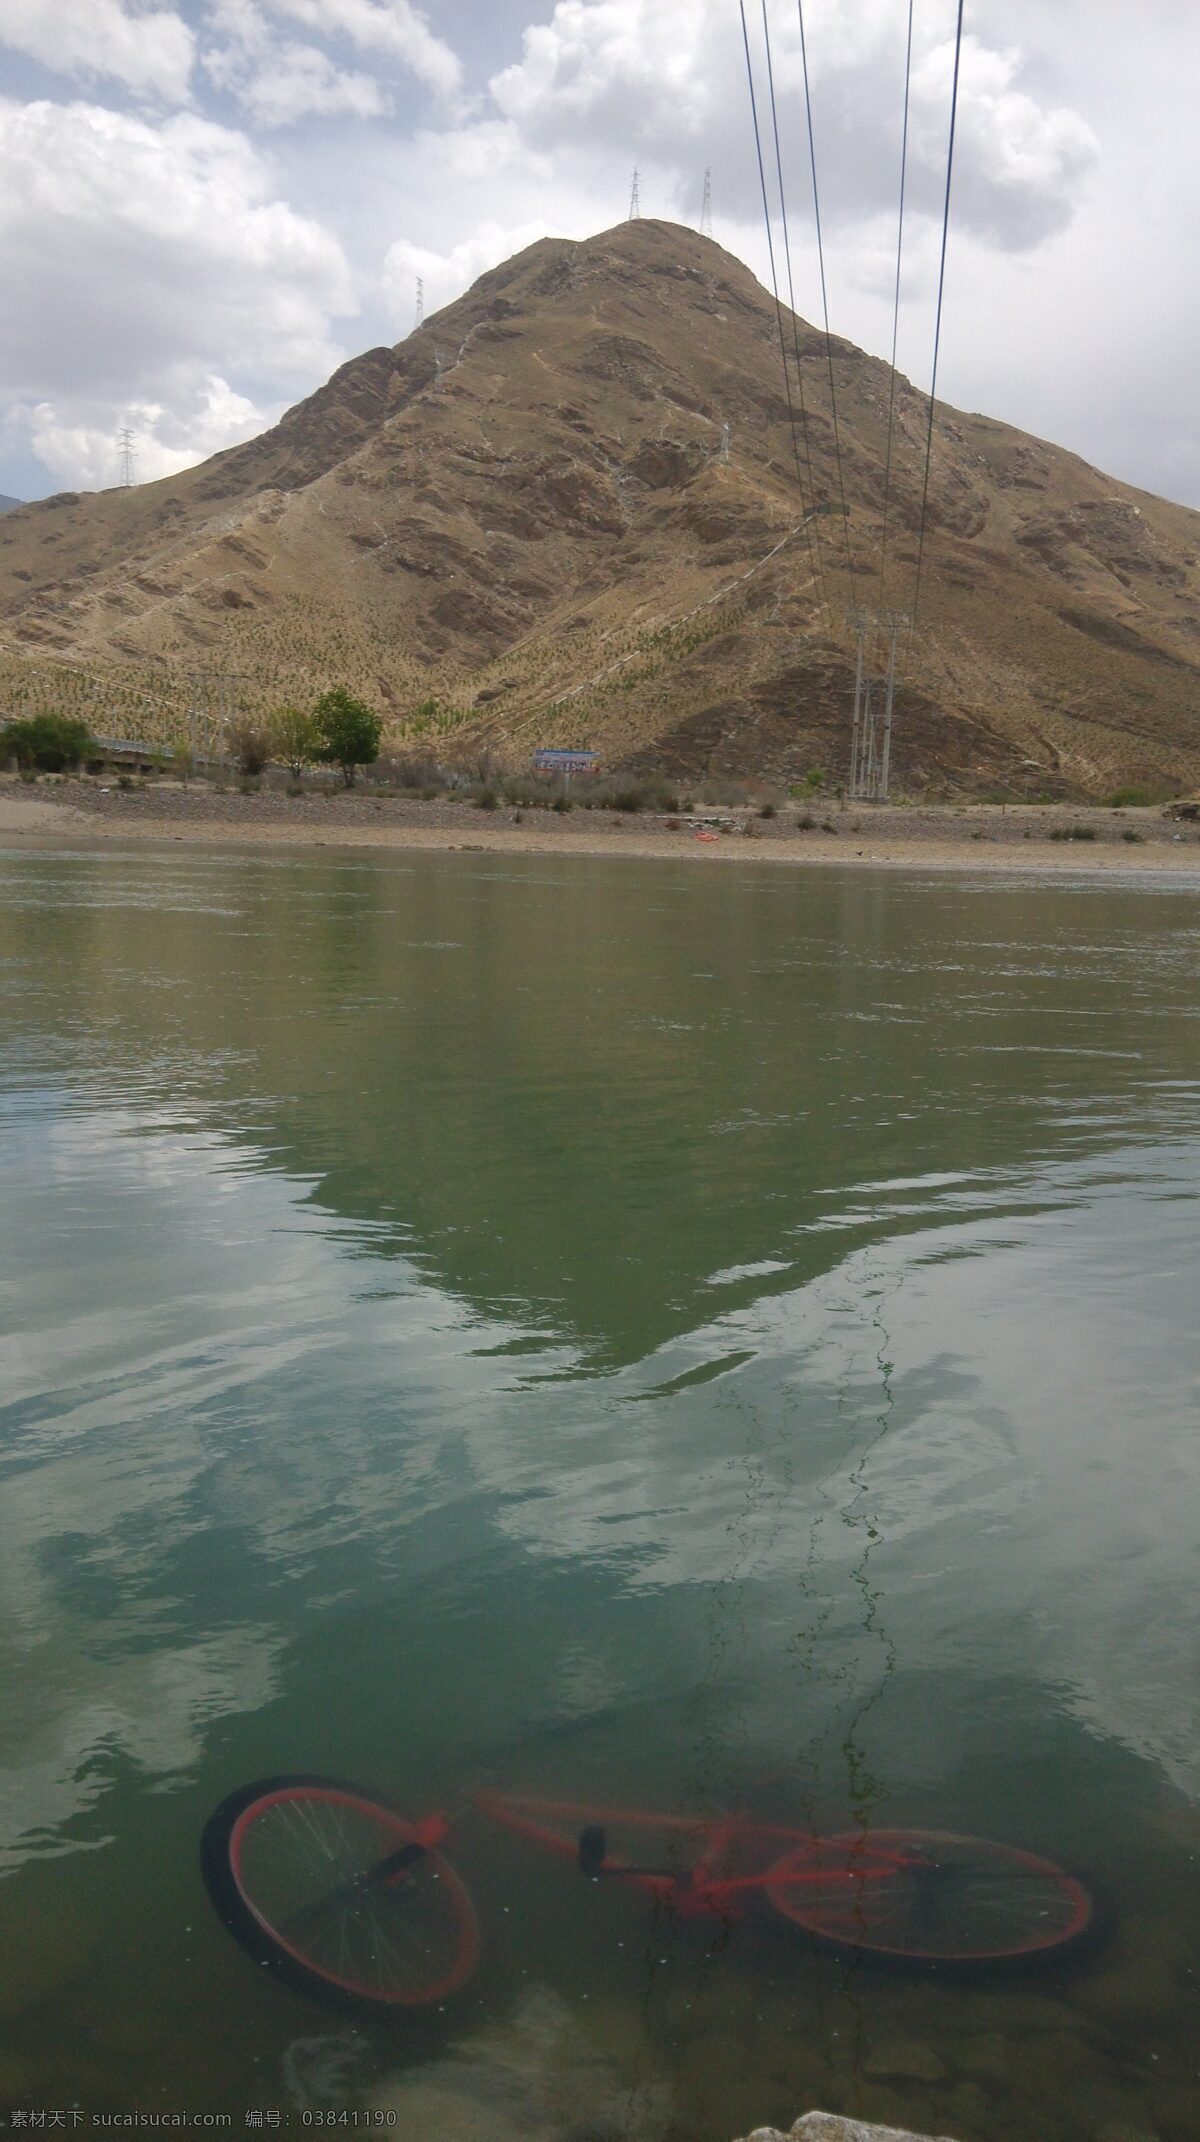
49	742
1072	832
1131	833
487	799
1129	799
251	748
649	792
767	810
805	822
562	803
348	733
415	771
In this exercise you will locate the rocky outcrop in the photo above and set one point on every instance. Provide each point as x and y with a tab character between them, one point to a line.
831	2127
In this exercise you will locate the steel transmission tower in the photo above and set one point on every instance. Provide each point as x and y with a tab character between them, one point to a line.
871	725
634	204
126	458
212	706
706	206
420	302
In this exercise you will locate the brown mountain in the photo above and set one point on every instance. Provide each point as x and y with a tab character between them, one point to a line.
528	523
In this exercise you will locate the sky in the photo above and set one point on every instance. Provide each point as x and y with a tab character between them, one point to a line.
207	205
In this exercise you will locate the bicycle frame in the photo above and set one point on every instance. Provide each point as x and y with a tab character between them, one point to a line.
701	1888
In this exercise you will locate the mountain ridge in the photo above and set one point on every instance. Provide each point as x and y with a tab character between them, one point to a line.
527	523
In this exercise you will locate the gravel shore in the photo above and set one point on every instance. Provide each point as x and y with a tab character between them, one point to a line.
1043	838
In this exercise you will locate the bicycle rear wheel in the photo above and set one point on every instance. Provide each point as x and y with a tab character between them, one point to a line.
335	1892
925	1900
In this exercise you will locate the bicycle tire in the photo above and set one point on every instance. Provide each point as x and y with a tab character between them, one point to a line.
949	1904
292	1866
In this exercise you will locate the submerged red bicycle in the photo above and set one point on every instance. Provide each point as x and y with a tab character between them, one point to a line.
349	1899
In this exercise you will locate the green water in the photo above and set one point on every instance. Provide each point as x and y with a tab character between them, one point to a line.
650	1333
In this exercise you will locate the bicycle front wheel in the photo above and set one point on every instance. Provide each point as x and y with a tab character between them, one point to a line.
334	1891
925	1900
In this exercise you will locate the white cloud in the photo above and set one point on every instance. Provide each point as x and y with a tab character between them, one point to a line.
278	81
78	443
1019	169
127	249
392	27
446	275
667	78
150	51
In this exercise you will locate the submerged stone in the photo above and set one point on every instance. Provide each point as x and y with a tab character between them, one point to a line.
834	2127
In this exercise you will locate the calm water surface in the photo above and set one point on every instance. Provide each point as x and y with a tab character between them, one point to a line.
684	1335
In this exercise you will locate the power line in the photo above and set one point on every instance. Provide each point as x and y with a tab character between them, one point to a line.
887	467
787	255
812	158
937	330
762	180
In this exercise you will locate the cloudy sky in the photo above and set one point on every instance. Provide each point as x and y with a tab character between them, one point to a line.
206	205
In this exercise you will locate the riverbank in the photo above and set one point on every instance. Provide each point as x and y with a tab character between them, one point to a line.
1046	839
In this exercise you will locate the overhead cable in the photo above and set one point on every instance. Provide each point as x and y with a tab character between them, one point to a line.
812	158
762	180
937	331
787	255
887	466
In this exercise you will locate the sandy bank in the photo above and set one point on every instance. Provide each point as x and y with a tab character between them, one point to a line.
79	814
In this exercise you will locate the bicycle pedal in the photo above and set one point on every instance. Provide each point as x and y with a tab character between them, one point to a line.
593	1849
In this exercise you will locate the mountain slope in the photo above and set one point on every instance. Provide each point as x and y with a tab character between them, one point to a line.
528	523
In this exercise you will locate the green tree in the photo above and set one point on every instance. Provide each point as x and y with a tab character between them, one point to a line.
49	742
294	739
348	732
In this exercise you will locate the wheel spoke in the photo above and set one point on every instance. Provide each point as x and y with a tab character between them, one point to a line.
943	1898
302	1854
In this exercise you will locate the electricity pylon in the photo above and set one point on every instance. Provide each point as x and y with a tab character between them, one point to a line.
874	697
